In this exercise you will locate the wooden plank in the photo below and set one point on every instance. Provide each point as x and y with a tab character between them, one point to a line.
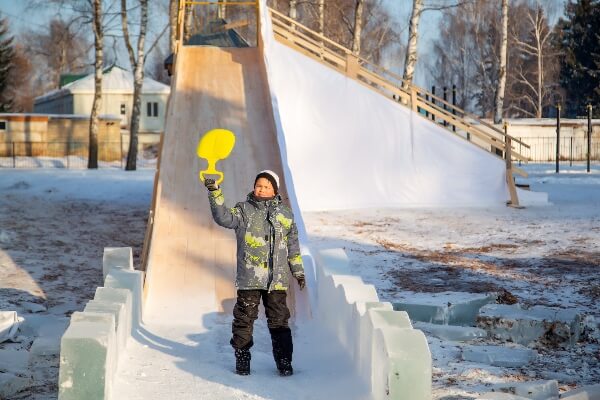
314	45
519	171
222	2
307	42
369	75
340	66
463	125
233	25
352	66
510	180
320	37
186	273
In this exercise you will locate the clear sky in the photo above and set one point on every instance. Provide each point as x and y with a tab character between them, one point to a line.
21	17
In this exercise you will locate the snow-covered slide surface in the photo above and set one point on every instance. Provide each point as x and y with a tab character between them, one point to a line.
350	147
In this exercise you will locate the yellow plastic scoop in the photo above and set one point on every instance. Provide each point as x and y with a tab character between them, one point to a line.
215	145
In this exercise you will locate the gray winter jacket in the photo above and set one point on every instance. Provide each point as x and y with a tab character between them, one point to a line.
267	241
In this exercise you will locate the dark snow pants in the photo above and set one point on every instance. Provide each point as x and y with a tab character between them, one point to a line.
245	313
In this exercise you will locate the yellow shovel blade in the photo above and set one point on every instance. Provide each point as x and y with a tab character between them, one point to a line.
215	145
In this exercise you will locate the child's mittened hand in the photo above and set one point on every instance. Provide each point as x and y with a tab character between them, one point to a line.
301	282
211	185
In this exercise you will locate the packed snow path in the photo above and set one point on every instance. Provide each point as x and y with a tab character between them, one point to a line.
197	362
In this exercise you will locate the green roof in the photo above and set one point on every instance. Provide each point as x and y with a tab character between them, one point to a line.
65	79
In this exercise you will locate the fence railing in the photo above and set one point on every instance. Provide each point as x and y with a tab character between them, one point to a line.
543	149
457	121
330	53
219	22
73	155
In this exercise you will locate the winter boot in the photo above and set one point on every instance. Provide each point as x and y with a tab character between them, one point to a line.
284	366
282	350
242	362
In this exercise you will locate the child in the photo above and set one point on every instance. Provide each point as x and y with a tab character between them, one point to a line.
267	246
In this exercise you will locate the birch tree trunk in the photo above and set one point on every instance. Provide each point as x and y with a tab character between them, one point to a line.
173	10
358	13
189	17
138	77
410	60
499	99
222	12
536	46
293	11
322	17
539	42
97	103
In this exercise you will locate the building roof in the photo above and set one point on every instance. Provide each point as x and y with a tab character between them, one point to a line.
65	79
116	80
45	117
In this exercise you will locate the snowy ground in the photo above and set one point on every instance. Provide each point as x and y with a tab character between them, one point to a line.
55	223
197	363
542	255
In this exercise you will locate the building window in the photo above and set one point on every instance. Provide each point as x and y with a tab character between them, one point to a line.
152	109
123	109
2	125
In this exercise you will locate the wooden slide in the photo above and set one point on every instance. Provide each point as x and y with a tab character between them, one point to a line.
191	262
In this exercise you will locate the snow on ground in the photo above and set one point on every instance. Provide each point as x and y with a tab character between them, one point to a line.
55	223
545	255
185	363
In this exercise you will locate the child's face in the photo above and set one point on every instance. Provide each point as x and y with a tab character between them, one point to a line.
263	188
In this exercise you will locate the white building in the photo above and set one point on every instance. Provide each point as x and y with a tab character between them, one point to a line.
117	99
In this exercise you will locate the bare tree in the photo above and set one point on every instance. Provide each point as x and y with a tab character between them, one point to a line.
222	11
358	17
101	19
466	53
533	74
321	16
418	7
366	27
21	87
173	11
97	103
499	98
137	63
410	61
60	49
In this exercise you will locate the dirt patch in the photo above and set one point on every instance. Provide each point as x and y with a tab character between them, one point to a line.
475	270
51	254
438	279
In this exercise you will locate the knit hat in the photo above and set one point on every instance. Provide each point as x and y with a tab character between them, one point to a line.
271	177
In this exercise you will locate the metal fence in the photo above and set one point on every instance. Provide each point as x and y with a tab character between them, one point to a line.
73	155
543	149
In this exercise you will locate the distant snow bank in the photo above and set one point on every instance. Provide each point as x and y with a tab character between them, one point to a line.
115	186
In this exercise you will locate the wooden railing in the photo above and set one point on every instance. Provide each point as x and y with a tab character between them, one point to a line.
324	50
454	119
185	8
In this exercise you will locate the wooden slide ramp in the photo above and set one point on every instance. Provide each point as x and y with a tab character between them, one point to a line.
191	261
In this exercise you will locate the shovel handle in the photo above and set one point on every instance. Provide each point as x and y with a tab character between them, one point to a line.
214	172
